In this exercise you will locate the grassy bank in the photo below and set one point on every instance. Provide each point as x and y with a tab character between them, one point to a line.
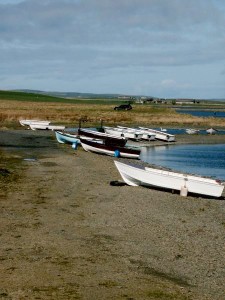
15	106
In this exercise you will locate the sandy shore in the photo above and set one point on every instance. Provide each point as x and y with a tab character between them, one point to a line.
66	233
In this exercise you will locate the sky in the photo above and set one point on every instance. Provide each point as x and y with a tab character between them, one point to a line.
161	48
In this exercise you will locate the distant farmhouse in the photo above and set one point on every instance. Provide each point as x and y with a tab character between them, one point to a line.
146	100
186	101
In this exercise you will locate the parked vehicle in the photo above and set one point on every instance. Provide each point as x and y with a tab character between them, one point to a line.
123	107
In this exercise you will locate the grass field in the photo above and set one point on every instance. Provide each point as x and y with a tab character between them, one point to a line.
18	105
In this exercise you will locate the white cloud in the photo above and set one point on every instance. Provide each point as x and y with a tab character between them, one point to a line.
102	37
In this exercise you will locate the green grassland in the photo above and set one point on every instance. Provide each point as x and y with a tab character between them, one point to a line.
15	105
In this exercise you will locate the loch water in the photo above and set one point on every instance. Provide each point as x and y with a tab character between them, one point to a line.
204	160
202	113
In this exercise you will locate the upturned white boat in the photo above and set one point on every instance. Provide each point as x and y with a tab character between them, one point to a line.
28	122
211	131
192	131
160	135
151	177
35	126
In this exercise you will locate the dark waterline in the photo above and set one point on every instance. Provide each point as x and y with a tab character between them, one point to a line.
205	160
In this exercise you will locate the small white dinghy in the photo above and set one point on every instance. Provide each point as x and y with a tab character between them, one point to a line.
192	131
28	122
151	177
35	126
211	131
160	135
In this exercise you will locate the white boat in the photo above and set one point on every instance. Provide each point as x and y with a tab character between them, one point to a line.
150	177
109	139
67	138
211	131
160	135
99	146
142	134
113	131
121	132
192	131
35	126
28	122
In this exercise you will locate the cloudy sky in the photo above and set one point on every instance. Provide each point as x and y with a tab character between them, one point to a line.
163	48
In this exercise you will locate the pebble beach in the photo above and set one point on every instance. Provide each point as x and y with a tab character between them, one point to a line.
67	233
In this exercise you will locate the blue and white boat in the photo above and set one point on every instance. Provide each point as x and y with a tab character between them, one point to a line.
67	138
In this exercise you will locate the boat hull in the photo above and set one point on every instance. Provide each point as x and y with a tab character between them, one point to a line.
192	131
159	135
109	139
126	133
66	138
135	176
28	122
46	127
112	150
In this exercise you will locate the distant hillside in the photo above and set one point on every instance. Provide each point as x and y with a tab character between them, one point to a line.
72	94
76	95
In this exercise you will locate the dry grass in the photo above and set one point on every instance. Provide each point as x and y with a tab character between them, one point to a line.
69	114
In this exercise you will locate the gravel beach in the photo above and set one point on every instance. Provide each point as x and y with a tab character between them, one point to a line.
66	233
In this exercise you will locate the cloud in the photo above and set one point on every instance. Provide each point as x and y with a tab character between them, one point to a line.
99	37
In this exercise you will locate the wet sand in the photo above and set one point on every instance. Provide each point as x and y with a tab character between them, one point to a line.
66	233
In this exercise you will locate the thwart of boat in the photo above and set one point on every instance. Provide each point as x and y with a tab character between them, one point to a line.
151	177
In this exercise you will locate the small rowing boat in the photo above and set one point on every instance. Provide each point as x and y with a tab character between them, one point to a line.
35	126
67	138
109	139
28	122
99	146
160	135
151	177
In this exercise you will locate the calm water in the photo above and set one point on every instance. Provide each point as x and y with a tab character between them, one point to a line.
202	113
206	160
177	131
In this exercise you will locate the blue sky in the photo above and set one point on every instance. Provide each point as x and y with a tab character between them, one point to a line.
162	48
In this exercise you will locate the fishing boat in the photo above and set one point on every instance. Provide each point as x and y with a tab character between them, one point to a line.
28	122
160	135
151	177
100	146
109	139
67	138
192	131
37	126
